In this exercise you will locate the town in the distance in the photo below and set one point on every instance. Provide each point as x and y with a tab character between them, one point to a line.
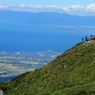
15	63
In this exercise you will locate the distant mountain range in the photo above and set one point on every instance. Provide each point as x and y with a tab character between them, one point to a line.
46	18
71	73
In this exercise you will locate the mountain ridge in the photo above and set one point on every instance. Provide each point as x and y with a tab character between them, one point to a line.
71	73
46	18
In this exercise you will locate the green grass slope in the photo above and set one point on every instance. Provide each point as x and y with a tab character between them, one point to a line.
71	73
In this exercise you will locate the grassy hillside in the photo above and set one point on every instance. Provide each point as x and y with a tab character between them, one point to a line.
71	73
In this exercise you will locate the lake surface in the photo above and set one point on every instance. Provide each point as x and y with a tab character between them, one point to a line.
6	78
15	36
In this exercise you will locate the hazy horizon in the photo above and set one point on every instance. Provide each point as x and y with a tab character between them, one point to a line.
62	6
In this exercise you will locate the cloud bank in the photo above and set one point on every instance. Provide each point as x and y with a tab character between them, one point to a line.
72	9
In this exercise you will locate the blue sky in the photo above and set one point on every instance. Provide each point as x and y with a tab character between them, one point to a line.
73	7
48	2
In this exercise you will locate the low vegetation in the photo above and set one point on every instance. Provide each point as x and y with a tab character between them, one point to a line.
71	73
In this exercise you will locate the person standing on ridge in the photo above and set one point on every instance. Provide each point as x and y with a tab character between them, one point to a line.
82	39
86	38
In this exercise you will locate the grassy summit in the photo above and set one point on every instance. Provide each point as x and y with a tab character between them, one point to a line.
71	73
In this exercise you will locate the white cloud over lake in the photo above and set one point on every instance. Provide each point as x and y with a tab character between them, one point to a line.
72	9
75	27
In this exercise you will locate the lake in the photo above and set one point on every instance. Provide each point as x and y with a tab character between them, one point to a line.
16	36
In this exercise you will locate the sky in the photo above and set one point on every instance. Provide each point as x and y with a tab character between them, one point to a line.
76	7
48	2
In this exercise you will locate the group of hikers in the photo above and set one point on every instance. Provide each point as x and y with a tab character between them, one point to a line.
92	37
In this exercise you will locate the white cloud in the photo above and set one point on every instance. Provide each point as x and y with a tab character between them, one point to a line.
75	7
2	6
22	5
90	8
71	9
76	27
